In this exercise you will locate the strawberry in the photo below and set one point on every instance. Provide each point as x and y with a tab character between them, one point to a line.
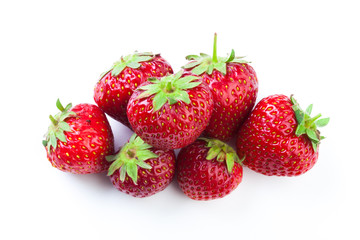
141	170
170	112
113	90
78	139
234	87
279	138
208	169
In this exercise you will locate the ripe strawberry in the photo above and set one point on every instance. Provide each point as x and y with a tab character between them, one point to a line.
140	170
170	112
279	138
78	139
234	87
113	90
208	169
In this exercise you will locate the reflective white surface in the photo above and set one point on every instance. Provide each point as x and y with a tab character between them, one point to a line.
50	50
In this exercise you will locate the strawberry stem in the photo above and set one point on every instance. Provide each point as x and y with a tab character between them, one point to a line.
169	87
312	120
215	59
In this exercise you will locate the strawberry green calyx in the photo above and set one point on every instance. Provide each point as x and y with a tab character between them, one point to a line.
171	88
58	126
205	63
131	61
131	156
222	152
307	124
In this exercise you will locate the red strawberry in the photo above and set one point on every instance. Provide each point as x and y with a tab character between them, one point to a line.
170	112
208	169
234	87
279	138
113	90
140	170
78	139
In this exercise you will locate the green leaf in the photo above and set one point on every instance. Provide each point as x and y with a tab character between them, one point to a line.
231	56
133	65
230	161
123	173
65	115
44	143
111	158
322	122
60	135
145	155
190	85
239	60
182	82
172	100
64	126
150	87
220	66
59	105
213	152
240	161
149	92
204	55
114	166
301	129
192	57
143	146
191	64
67	108
210	69
314	145
153	80
293	100
118	69
159	101
142	59
299	114
53	141
221	156
127	58
146	54
312	135
134	138
132	171
177	75
183	96
309	109
143	165
199	69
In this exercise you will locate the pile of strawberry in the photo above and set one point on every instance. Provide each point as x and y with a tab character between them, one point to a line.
197	109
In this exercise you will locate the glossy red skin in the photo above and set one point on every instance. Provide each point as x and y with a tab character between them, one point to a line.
173	126
112	94
150	181
89	141
268	140
234	97
202	179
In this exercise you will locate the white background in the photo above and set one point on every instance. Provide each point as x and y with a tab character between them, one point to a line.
51	49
